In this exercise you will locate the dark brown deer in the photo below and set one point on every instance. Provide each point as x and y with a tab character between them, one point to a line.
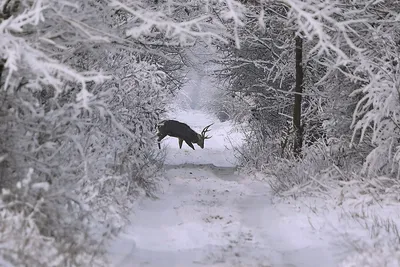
183	132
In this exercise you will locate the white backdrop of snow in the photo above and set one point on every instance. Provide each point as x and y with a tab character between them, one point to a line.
209	215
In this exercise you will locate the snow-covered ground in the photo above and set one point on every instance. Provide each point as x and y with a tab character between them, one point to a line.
209	215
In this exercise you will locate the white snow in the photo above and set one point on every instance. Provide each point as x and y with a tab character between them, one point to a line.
209	215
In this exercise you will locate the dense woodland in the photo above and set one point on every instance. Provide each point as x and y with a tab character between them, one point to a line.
313	83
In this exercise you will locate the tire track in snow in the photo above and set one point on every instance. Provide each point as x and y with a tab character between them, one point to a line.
198	221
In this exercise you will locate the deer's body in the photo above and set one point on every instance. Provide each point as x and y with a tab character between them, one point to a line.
182	131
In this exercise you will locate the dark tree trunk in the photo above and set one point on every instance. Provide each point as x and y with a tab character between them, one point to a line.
298	129
1	70
2	63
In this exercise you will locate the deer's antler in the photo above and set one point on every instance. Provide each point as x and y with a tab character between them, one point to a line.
205	130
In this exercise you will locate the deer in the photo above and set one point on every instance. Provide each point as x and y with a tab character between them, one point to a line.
183	132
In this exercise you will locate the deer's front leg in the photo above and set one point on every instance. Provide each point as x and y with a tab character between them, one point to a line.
160	137
189	144
180	143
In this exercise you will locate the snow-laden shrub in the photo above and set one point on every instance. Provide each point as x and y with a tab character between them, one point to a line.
35	230
355	191
377	113
311	175
380	248
45	110
386	256
257	149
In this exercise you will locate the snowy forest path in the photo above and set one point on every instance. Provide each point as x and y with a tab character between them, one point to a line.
208	215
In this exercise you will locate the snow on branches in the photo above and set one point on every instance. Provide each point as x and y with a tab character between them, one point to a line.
181	23
21	56
82	88
360	39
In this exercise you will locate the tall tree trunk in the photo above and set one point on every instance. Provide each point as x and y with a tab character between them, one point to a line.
298	140
1	70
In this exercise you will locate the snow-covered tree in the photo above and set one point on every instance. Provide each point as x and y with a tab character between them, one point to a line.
351	61
82	85
360	40
261	75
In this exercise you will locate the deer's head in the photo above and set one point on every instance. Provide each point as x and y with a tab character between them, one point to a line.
201	137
